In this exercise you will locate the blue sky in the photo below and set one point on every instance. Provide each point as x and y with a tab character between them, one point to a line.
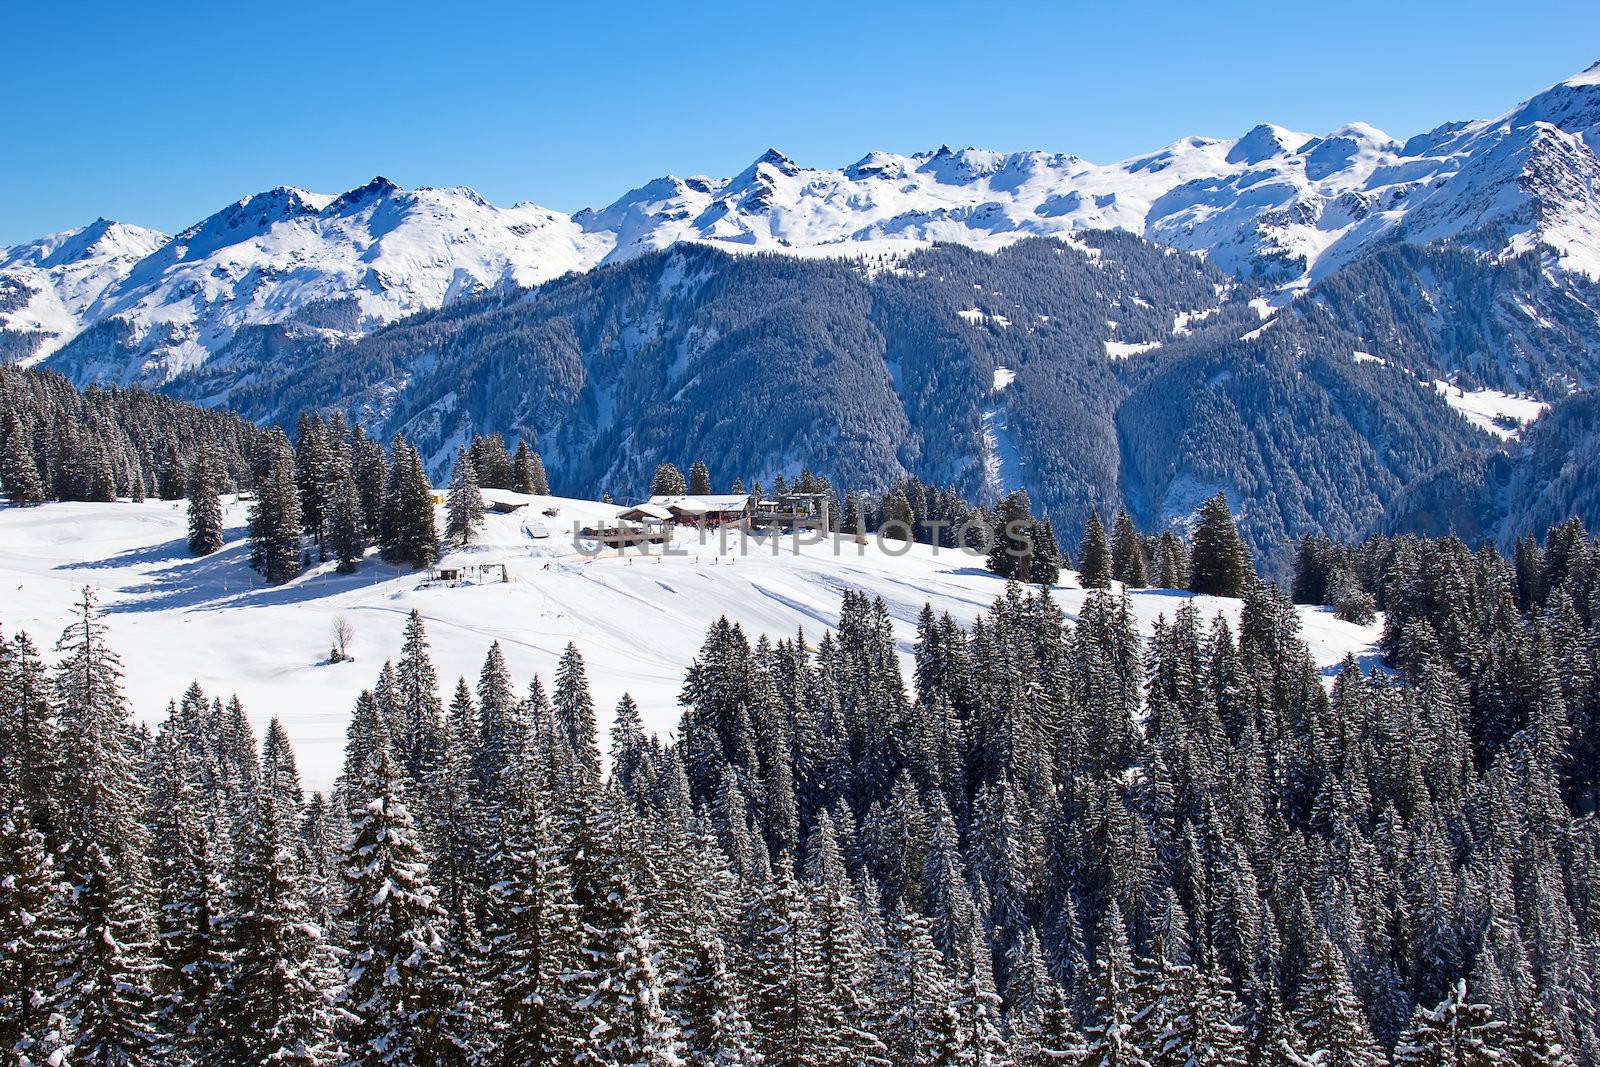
161	113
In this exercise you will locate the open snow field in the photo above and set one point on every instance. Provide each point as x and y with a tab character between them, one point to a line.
638	621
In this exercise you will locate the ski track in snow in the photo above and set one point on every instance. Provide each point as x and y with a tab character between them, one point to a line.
638	621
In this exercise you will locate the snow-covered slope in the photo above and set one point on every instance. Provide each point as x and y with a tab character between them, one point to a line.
348	263
47	286
1281	207
638	622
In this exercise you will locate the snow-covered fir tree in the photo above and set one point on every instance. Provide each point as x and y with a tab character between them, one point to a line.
1053	843
464	503
276	516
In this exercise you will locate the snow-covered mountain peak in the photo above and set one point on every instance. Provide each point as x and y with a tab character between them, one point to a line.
1264	142
880	165
46	284
1573	105
769	162
962	167
103	238
376	189
251	216
1275	205
349	262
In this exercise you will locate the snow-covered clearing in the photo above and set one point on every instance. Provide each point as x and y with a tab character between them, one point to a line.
1124	349
638	621
1500	413
976	317
1183	320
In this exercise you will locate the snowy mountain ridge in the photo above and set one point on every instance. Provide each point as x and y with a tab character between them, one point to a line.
1276	206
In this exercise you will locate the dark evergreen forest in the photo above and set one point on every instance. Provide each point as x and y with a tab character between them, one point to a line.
1054	843
870	373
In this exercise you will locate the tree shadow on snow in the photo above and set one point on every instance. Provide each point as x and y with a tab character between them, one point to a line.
223	580
174	550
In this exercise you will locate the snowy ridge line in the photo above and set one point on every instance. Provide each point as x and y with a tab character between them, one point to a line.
1277	207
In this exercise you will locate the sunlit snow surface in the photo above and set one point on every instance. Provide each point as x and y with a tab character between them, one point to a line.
174	618
1500	413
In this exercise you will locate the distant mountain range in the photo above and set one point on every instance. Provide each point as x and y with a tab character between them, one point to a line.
1361	332
1276	207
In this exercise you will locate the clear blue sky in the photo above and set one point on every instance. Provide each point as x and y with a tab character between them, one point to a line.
161	113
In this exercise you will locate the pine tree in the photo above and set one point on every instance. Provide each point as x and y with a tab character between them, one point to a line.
667	481
979	1008
631	1026
1111	1041
314	474
173	476
205	507
1011	551
502	739
190	902
1094	556
1532	1041
407	531
1060	1044
371	473
699	479
779	969
1456	1033
19	473
527	472
278	999
1047	564
575	715
347	532
1200	1026
1330	1020
1219	562
914	988
531	935
30	771
275	518
464	504
35	932
397	1000
710	1010
951	1044
490	461
417	731
106	995
1128	564
99	789
1172	562
452	828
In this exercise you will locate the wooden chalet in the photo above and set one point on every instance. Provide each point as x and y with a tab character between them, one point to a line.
706	511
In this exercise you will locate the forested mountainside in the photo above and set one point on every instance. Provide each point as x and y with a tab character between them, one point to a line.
1051	844
1447	312
757	364
1553	472
104	443
1091	371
